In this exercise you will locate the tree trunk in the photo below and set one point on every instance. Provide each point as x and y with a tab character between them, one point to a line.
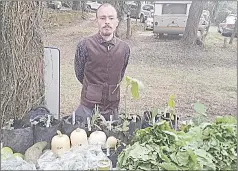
119	7
190	33
138	9
76	5
22	52
128	31
213	14
234	33
83	6
212	11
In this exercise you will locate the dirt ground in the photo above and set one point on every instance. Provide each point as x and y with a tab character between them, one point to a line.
166	66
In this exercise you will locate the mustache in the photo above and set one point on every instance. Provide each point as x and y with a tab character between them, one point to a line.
107	26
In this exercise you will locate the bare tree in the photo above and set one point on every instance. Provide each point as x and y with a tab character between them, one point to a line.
119	5
76	5
22	51
234	33
83	8
212	10
138	9
190	34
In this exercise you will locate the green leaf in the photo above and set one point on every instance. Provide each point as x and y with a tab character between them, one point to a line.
125	126
226	119
134	90
168	166
182	158
128	81
200	108
205	159
193	160
171	102
162	122
172	134
154	113
163	156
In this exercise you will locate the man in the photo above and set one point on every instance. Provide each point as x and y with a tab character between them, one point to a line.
100	64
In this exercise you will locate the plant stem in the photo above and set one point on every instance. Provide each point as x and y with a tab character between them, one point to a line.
125	101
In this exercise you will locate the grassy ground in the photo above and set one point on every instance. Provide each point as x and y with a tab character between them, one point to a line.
164	66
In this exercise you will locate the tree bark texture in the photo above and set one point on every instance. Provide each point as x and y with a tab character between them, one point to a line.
212	10
138	9
233	34
119	5
76	5
190	33
22	52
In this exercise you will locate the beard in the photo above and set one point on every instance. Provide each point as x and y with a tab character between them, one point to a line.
106	31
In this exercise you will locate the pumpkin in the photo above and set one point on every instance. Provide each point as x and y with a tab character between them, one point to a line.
97	137
78	137
60	143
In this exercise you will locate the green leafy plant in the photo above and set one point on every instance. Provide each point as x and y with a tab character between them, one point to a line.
161	148
133	85
200	113
208	146
168	113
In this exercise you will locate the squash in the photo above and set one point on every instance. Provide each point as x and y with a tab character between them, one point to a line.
111	142
78	137
98	137
60	143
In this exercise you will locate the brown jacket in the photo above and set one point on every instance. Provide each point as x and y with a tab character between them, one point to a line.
100	67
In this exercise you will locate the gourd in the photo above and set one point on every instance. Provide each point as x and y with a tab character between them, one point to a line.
97	137
34	152
111	142
60	143
78	137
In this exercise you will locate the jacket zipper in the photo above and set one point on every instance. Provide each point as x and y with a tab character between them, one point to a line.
104	101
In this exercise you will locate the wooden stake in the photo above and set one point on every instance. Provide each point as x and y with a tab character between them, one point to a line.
128	32
225	42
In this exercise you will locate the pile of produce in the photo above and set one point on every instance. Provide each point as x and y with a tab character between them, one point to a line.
11	160
209	146
107	144
84	157
74	152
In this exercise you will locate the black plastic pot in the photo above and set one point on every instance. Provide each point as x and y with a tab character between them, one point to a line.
19	140
68	127
148	114
114	154
46	133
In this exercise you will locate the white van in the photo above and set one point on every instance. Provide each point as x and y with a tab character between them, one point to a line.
170	17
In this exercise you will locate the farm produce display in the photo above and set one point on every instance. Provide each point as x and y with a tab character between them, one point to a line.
77	152
208	146
150	142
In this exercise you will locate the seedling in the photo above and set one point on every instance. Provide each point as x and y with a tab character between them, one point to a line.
200	113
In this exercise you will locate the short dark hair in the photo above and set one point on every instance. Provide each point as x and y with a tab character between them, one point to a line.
104	4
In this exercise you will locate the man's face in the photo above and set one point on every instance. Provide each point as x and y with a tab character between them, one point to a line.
107	20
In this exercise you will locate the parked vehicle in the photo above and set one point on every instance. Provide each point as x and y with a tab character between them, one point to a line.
149	24
228	25
170	17
93	5
54	4
145	11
